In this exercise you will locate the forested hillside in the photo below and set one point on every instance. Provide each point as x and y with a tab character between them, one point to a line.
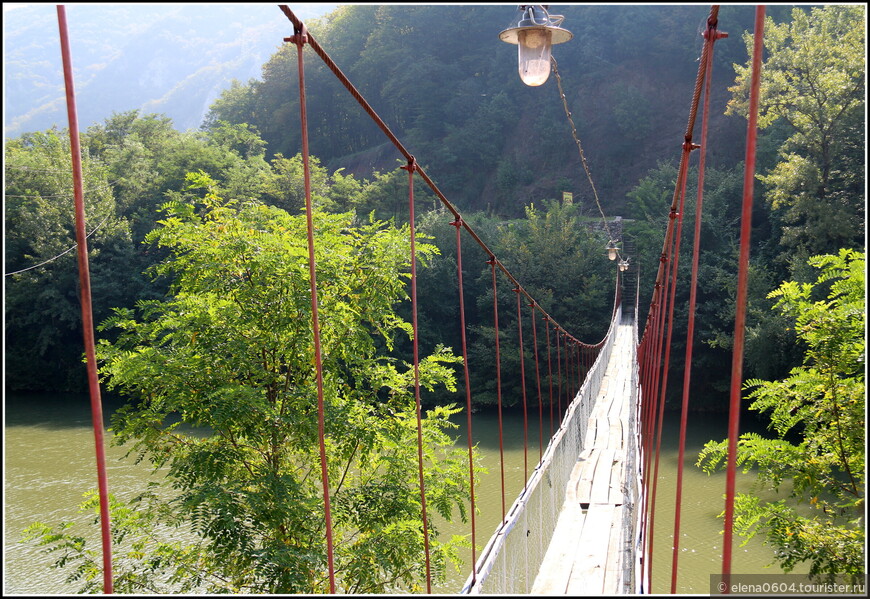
502	152
441	79
174	59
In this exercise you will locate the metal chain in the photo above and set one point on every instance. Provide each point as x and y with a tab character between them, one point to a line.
579	147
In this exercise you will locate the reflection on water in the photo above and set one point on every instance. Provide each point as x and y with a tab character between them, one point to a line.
49	464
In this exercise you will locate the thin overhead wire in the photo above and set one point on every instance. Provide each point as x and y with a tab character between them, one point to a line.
60	255
65	196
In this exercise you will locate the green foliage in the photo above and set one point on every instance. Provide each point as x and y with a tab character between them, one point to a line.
560	263
230	353
769	346
147	555
461	108
817	414
41	299
813	81
131	164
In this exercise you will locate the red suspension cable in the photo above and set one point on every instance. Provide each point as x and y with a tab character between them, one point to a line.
300	38
411	167
662	298
315	46
559	373
523	380
550	372
538	381
687	148
742	284
87	311
492	263
659	417
711	35
458	225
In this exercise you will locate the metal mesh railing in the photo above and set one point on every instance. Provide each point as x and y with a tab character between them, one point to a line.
512	558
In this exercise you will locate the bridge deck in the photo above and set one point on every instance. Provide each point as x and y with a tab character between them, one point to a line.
585	556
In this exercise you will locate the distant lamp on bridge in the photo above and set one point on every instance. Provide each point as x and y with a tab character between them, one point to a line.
612	250
534	34
623	265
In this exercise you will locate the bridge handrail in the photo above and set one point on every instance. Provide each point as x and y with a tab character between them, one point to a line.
588	391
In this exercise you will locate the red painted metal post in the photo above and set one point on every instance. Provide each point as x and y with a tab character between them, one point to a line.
742	285
538	381
550	372
711	36
458	224
492	263
300	38
87	312
411	167
523	381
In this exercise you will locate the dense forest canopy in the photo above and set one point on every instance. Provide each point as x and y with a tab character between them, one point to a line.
494	143
502	152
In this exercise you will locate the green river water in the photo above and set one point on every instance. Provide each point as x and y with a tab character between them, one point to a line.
49	464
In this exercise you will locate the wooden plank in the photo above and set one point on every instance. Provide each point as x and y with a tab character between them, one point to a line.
615	436
599	435
602	433
605	383
614	568
571	491
600	492
615	408
587	575
555	572
587	475
601	407
617	478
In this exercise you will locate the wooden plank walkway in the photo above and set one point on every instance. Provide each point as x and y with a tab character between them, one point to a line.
585	557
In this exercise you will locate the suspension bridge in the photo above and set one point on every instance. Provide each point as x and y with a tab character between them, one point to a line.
583	522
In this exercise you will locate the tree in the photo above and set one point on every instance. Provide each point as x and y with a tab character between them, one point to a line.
813	81
561	264
230	352
817	414
131	164
769	347
42	308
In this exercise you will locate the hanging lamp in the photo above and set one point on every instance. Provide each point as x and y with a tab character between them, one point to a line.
534	34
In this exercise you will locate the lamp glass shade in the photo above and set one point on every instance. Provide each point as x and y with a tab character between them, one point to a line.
534	55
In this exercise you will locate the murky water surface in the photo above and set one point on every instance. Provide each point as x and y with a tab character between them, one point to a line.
49	465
